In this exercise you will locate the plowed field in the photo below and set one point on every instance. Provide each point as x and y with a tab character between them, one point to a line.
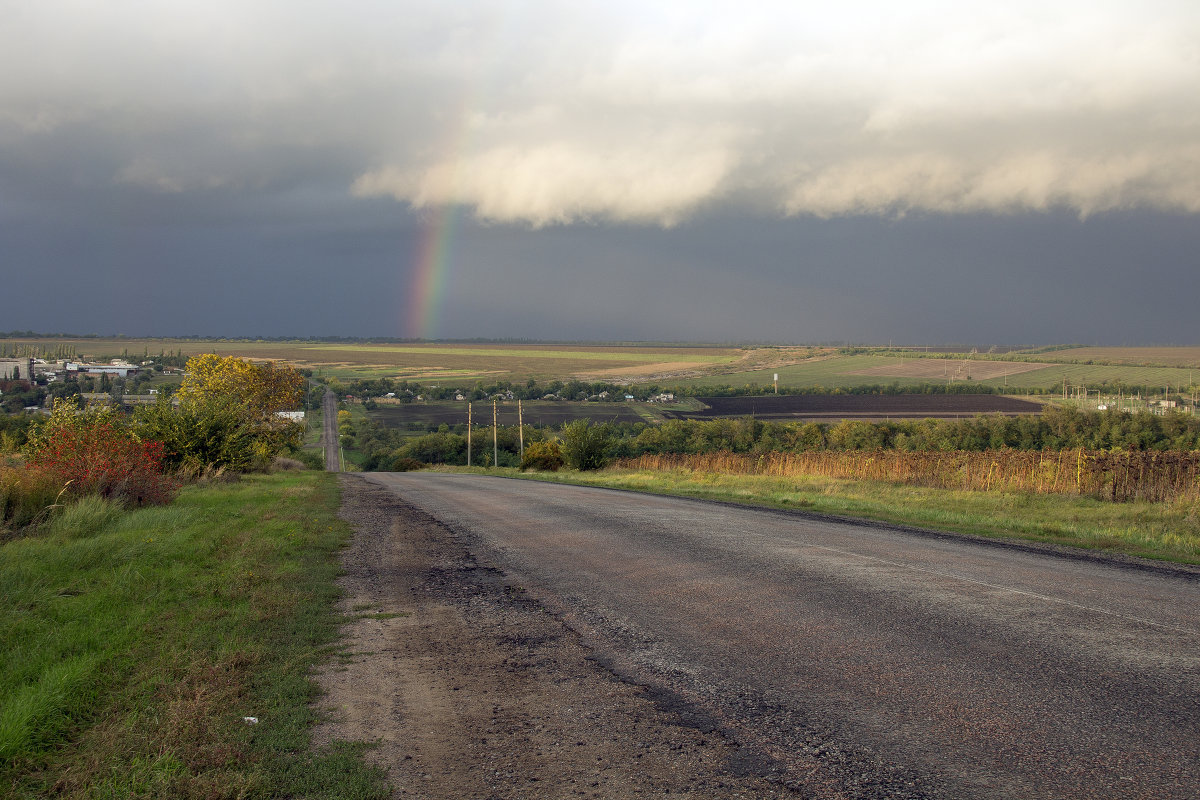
534	413
852	406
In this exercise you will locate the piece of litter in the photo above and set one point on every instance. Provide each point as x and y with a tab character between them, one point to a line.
250	720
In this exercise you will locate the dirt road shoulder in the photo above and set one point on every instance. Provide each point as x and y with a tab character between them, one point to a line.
473	690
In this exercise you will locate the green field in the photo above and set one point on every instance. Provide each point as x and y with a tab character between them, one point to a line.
1136	356
837	372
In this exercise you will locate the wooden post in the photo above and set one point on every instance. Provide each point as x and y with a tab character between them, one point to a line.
495	437
521	429
468	434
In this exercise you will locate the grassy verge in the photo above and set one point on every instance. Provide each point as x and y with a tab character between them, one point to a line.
314	420
136	642
1149	530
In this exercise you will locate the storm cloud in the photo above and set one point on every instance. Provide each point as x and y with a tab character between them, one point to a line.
139	130
544	113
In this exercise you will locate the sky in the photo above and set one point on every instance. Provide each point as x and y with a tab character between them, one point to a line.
867	172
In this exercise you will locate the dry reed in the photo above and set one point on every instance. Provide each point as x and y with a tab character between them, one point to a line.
1120	477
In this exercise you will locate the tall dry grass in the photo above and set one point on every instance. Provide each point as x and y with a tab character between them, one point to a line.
26	497
1120	477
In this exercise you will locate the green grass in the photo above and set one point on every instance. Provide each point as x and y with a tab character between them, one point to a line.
1148	530
314	419
135	643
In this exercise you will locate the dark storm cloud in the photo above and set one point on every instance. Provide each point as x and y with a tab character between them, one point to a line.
784	171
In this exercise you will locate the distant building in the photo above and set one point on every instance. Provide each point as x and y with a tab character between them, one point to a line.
291	416
118	370
20	369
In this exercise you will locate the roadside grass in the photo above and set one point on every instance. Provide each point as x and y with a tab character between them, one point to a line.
1168	532
136	641
314	418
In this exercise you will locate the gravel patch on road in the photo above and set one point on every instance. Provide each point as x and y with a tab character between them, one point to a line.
470	688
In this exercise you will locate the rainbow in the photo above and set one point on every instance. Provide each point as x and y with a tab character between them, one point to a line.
434	261
428	284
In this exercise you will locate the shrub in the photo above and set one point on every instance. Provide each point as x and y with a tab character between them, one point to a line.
543	456
404	464
585	446
199	436
312	459
95	452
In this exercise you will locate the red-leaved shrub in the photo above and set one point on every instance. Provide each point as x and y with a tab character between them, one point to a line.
95	452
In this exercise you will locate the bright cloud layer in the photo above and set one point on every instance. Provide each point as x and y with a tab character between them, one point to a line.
548	113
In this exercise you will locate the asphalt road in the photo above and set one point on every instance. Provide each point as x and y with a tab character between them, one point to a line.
875	661
329	435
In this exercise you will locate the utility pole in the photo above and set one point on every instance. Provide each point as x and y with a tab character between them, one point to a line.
468	434
495	437
521	429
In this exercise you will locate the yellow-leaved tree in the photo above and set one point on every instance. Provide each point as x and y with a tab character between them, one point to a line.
259	390
226	415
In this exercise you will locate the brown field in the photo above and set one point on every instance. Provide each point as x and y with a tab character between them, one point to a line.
1137	356
941	369
535	412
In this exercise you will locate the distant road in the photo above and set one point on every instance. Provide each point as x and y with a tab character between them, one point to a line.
329	436
857	660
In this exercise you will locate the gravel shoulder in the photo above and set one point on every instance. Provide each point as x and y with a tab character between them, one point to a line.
471	688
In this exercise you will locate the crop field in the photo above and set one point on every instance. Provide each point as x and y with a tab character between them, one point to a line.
799	367
944	369
534	412
1135	356
858	406
443	362
837	371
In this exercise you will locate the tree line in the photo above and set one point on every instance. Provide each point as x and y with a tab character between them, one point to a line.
1057	428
